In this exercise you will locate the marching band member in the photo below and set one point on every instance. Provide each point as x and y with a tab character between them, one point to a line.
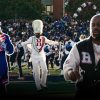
6	48
38	55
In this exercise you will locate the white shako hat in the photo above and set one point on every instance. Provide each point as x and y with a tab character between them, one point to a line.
37	26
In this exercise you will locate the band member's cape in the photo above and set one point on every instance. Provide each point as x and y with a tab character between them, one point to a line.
6	47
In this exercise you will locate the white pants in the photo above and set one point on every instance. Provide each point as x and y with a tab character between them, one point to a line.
39	71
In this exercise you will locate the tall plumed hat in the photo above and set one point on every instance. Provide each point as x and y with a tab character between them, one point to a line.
37	26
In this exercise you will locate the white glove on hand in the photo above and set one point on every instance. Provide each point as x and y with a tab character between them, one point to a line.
3	46
2	43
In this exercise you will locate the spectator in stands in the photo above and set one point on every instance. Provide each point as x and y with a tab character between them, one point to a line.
82	37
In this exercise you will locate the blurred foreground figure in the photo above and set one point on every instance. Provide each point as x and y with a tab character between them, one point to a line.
38	55
6	48
83	63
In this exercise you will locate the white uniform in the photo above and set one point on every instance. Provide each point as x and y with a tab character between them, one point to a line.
39	59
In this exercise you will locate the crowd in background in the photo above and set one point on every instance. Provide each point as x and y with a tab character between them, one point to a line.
67	30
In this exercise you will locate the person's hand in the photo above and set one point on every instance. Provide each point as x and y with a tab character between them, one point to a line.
73	75
3	46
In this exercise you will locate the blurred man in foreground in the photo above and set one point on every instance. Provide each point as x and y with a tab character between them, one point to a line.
83	63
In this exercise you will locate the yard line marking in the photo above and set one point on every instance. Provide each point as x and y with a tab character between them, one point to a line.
22	82
50	82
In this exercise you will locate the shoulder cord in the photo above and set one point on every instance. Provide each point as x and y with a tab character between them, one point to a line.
34	44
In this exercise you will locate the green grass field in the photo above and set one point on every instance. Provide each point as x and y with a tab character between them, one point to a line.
57	86
14	70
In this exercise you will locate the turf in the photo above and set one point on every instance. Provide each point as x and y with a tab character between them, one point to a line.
57	86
